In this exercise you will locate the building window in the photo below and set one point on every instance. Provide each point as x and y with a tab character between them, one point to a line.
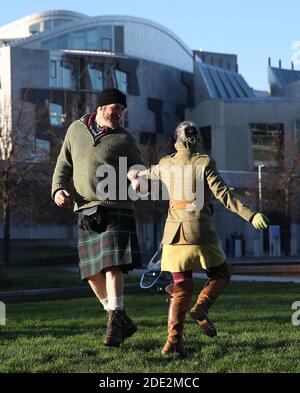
267	143
47	25
57	22
63	74
106	38
49	44
96	78
121	82
63	42
229	66
57	117
41	150
84	39
79	40
35	29
221	63
106	44
69	75
53	69
92	39
119	39
205	133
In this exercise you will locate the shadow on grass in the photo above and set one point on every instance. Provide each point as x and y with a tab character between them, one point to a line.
52	331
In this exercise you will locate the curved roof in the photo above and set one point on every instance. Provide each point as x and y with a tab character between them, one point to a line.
92	21
16	28
143	38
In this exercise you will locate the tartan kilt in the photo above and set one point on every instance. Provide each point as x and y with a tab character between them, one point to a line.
113	243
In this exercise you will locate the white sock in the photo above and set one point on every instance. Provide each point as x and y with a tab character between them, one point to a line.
115	303
104	303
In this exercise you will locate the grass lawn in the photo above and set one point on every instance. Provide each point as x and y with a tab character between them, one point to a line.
19	278
31	254
253	320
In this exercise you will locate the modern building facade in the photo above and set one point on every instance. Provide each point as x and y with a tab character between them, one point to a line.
53	65
245	130
64	59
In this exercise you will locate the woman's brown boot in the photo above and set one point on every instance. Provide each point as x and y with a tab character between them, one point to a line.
181	293
219	278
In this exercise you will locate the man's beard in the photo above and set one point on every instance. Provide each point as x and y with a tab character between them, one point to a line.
111	121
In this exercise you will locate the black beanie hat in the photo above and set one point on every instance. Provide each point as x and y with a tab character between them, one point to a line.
111	96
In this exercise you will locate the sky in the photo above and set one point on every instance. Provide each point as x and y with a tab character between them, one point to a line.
252	29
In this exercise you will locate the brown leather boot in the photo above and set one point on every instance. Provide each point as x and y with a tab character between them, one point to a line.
128	326
181	293
114	333
219	278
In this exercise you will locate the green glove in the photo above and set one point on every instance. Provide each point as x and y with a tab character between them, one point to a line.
260	221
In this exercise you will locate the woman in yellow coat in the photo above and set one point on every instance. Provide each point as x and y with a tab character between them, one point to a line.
190	240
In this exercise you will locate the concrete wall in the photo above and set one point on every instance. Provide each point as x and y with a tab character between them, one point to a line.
157	82
232	146
230	120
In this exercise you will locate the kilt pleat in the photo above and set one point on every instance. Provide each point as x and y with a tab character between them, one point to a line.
113	243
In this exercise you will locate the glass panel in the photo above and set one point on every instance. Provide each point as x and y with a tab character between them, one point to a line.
53	70
69	79
227	84
92	38
55	112
212	83
106	31
34	29
96	78
79	40
65	75
42	144
267	143
106	44
57	22
47	25
106	37
41	150
206	139
121	81
63	42
49	44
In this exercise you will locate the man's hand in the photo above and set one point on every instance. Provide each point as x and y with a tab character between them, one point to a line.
62	198
135	183
260	221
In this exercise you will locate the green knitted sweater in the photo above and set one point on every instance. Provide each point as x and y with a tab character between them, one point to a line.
80	157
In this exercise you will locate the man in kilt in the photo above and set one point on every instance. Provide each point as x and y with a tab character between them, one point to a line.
107	240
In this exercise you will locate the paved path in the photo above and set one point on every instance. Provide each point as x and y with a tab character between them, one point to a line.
240	277
235	277
74	292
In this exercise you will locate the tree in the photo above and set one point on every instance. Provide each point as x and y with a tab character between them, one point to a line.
25	167
280	190
151	150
